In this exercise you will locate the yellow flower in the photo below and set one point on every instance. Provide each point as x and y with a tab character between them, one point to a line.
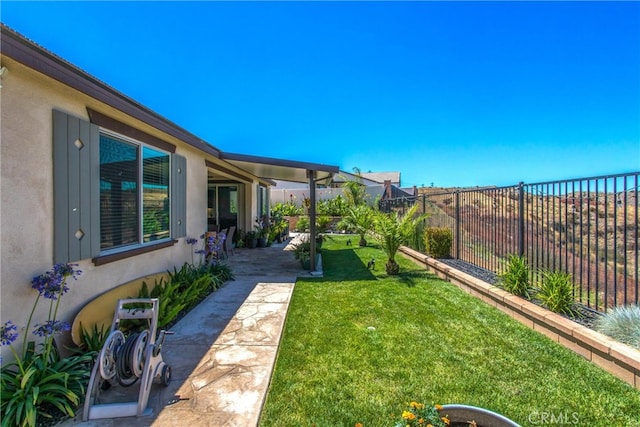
408	415
416	405
438	407
359	425
446	420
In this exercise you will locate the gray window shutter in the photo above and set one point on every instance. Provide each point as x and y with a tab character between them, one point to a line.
76	188
178	196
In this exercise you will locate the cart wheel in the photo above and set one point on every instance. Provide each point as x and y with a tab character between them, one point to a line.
165	376
139	351
107	358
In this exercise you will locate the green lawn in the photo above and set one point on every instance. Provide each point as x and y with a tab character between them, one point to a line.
432	343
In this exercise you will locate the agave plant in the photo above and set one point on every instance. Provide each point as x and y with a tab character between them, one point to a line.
394	230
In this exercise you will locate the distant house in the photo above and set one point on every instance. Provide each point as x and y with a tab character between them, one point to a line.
392	177
284	191
92	177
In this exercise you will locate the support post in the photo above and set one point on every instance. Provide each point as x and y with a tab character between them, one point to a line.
312	217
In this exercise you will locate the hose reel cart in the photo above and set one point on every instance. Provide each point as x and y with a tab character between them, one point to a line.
127	360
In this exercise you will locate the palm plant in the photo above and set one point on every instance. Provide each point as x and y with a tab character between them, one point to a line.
358	219
355	192
394	230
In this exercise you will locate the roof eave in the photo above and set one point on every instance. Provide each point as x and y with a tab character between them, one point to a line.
28	53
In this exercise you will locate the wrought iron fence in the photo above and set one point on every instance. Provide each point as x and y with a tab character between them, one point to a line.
586	227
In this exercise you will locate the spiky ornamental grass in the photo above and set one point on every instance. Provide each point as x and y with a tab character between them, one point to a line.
515	277
622	324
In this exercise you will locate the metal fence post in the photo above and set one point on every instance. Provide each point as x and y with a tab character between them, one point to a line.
521	218
457	224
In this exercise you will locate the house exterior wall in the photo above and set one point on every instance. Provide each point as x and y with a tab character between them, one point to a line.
27	101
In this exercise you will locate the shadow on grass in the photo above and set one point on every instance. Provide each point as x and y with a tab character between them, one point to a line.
412	277
344	264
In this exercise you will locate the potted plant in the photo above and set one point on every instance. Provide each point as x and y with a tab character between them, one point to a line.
418	414
464	415
302	252
278	227
251	239
262	232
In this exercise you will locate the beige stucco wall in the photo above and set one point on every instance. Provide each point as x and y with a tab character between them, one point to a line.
27	99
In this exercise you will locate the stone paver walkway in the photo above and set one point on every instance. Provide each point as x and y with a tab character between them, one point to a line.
223	352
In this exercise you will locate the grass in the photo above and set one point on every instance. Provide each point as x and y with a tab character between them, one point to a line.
432	343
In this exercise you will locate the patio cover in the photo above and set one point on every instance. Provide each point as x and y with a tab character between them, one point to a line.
285	170
288	170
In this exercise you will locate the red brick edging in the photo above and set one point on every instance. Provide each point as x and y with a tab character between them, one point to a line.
614	357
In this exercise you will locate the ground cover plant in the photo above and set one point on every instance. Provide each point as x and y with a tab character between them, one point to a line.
359	344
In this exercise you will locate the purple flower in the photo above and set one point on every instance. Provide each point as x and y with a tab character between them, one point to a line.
66	270
191	241
200	251
50	327
8	333
49	285
54	283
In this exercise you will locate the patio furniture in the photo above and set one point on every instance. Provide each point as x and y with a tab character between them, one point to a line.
228	242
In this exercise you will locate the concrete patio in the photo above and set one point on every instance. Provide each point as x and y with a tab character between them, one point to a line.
223	352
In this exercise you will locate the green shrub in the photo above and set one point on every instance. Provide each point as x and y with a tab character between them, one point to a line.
183	290
332	207
515	277
438	241
287	209
322	223
556	292
94	340
303	223
622	324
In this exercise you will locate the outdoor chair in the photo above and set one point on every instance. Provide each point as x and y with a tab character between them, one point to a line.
228	242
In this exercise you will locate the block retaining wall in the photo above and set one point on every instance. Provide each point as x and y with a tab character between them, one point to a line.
614	357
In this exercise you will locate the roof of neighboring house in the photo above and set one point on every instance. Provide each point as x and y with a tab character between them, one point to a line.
346	176
381	177
17	47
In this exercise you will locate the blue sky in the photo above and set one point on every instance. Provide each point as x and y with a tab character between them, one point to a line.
449	93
